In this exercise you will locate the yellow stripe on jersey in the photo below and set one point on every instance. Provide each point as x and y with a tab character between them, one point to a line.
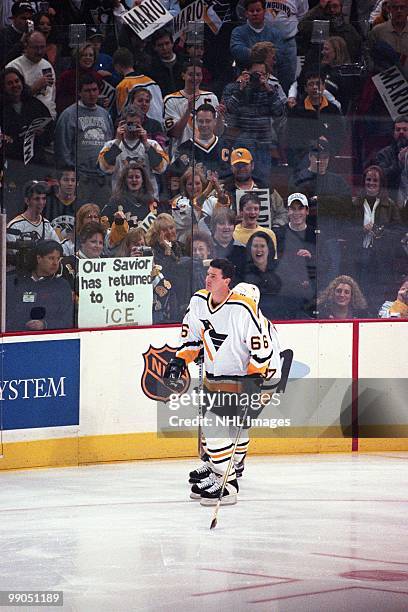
234	297
207	348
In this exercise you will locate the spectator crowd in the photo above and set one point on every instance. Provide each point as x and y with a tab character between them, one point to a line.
265	138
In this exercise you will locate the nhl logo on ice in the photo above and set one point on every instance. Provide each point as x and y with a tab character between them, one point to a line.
155	360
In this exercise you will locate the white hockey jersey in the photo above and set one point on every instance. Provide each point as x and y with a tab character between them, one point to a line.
234	335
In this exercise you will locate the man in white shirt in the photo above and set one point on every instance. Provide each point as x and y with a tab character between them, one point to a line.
180	105
38	73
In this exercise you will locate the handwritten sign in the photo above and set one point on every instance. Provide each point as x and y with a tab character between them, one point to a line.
147	17
115	291
29	137
393	89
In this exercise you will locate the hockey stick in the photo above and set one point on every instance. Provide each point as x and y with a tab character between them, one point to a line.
200	449
224	481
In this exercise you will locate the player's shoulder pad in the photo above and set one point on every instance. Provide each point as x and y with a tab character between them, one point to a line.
245	301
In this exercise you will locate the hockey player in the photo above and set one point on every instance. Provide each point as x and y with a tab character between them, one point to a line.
237	353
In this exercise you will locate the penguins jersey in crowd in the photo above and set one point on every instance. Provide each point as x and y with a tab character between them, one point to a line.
235	338
175	105
212	155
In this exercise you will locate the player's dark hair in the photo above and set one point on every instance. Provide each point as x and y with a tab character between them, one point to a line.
227	268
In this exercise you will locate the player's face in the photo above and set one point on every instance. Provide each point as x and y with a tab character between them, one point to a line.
297	214
68	183
200	250
164	48
93	247
142	101
372	183
259	251
47	265
205	121
223	232
342	294
134	180
250	213
214	281
198	187
13	86
255	14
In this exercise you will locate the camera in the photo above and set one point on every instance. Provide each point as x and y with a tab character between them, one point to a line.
143	251
351	70
378	231
131	127
255	79
20	252
29	26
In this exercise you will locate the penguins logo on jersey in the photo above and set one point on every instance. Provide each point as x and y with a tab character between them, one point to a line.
155	361
216	338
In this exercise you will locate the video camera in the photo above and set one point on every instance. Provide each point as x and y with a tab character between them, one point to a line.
20	252
351	70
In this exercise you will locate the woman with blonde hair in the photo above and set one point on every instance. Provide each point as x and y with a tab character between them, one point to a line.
85	56
175	268
205	195
335	52
132	243
342	299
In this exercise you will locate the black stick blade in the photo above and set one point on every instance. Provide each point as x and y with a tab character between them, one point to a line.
213	523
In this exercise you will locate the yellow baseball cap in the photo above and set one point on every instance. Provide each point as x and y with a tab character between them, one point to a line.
242	156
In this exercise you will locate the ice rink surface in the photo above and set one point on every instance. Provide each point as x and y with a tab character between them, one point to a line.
309	533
